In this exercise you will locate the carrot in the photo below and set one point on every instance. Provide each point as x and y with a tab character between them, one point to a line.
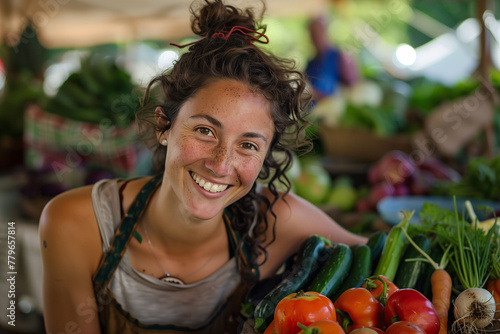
441	295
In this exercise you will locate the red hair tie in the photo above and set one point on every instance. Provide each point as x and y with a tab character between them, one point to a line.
226	35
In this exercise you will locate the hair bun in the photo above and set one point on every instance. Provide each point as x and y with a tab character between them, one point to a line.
215	17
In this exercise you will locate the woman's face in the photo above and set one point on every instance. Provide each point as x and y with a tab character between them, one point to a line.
217	146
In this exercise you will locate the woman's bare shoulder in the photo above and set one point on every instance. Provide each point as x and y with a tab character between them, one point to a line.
69	228
73	210
70	206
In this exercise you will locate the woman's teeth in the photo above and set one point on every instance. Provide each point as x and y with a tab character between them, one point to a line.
208	186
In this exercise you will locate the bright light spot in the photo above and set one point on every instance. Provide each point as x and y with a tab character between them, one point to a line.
468	30
166	60
405	55
55	75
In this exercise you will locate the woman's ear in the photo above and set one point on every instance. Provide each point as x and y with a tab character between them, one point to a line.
161	122
161	119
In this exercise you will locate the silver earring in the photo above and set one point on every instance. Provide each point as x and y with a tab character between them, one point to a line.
164	142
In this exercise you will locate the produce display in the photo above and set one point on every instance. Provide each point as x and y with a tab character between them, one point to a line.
313	182
100	91
399	282
399	174
396	174
84	133
480	180
367	104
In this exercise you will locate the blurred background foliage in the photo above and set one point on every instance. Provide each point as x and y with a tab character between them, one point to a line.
353	24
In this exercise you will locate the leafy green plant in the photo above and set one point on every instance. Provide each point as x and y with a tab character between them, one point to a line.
100	91
480	180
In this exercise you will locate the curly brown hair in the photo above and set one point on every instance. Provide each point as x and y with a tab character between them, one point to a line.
236	58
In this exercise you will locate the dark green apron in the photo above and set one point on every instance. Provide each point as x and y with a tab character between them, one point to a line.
115	320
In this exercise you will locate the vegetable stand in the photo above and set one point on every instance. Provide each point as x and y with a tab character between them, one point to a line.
456	256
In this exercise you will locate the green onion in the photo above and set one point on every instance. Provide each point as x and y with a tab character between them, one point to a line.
472	253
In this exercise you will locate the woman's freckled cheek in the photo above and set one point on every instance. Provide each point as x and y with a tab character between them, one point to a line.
189	150
251	169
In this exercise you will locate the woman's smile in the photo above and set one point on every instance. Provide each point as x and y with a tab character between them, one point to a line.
207	185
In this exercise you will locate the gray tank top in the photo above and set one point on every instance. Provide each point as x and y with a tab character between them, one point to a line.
146	298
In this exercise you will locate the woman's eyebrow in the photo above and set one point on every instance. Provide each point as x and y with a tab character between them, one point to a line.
209	118
255	135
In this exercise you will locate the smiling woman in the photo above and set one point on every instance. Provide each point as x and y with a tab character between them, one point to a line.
176	251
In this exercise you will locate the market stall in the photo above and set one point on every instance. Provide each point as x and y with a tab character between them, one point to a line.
410	163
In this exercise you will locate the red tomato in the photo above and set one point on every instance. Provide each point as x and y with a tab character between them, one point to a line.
303	307
493	286
326	327
367	330
376	287
404	327
270	328
357	308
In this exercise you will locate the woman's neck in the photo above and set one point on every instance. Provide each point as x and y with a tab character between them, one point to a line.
176	230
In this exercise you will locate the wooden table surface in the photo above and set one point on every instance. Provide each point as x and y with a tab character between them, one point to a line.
493	328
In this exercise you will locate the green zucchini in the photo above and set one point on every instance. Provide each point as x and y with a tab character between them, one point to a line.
410	271
333	272
324	254
360	269
258	291
376	242
293	282
393	250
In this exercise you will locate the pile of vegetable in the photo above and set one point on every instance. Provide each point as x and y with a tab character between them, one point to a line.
439	276
368	104
100	91
480	180
399	174
313	182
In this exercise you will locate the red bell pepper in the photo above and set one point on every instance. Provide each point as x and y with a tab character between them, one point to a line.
357	308
412	306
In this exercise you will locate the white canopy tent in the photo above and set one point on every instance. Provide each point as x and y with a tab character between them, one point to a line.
79	23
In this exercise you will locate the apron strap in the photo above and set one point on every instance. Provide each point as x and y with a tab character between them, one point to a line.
124	233
241	247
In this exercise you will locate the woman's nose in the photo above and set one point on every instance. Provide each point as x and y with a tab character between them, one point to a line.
220	161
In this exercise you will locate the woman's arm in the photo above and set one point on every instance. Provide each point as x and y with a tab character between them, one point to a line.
303	219
71	250
297	219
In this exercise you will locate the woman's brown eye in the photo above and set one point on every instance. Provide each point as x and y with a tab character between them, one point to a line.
205	131
249	146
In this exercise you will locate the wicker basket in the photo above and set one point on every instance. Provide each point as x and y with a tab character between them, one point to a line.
360	145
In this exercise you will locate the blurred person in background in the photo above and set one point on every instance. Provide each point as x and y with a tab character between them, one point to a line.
330	68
